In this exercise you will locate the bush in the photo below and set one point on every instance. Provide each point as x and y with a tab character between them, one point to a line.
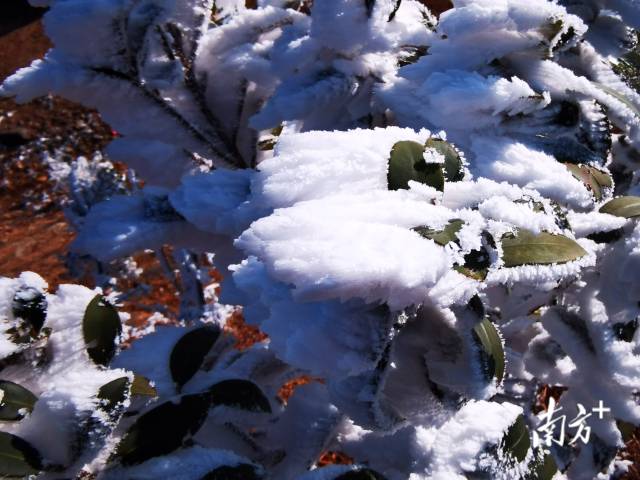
435	216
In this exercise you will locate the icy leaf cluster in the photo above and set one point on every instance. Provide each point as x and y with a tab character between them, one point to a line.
435	218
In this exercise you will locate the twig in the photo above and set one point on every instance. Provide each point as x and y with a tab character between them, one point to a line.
114	74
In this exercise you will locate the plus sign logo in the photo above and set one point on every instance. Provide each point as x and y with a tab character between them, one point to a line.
600	410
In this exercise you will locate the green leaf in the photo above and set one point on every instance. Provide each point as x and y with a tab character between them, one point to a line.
527	248
394	11
578	326
626	430
543	469
17	457
361	474
100	327
476	264
407	163
594	179
491	349
627	207
625	331
239	472
411	54
189	352
619	96
516	442
30	305
241	394
442	237
142	386
163	429
552	29
608	236
114	393
453	171
15	399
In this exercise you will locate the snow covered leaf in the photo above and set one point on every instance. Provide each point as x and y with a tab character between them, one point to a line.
625	331
239	472
361	474
527	248
30	305
594	179
452	162
189	352
117	391
516	442
545	469
476	264
619	96
100	327
18	458
15	401
114	393
442	237
407	163
491	349
163	429
142	386
241	394
627	207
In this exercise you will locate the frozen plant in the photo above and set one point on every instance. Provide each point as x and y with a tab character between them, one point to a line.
436	216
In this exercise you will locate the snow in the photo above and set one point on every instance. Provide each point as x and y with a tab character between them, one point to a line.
455	446
502	160
316	249
186	464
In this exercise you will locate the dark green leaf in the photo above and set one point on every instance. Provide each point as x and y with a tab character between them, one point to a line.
625	331
578	326
369	4
15	399
476	264
552	29
361	474
189	352
241	394
607	237
407	163
267	144
452	162
543	469
100	327
163	429
626	207
594	179
30	305
239	472
114	393
442	237
516	442
412	54
626	430
619	96
394	11
142	386
17	457
527	248
491	349
476	306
